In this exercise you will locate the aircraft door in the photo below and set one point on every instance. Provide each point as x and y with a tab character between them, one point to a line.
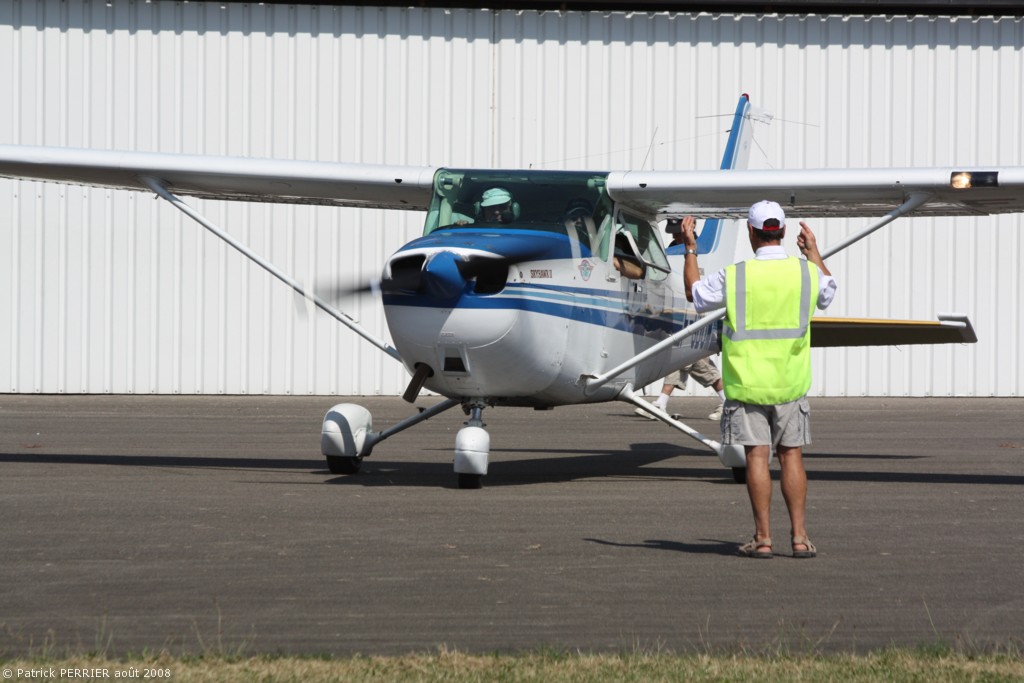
639	259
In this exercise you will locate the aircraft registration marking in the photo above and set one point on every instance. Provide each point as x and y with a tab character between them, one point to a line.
705	337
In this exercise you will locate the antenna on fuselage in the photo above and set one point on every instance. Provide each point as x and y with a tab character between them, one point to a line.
654	136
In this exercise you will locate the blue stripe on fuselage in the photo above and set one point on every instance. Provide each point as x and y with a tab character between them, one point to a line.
591	306
601	307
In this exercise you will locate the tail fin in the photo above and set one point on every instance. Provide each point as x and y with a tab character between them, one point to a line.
737	148
737	155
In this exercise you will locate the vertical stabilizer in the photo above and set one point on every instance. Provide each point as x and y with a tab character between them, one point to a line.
737	155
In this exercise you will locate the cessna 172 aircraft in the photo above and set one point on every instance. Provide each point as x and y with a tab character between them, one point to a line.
546	288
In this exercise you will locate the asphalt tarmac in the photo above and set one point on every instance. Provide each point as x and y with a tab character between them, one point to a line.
211	524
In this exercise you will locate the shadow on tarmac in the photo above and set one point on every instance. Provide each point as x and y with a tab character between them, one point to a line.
566	465
708	547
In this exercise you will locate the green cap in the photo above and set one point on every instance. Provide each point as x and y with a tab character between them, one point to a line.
495	196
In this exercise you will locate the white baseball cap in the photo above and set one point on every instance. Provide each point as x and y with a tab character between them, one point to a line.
765	210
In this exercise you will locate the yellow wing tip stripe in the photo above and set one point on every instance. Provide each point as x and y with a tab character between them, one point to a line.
874	321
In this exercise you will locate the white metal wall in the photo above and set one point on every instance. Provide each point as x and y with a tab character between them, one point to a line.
115	292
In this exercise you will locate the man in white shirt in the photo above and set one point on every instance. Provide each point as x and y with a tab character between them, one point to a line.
766	360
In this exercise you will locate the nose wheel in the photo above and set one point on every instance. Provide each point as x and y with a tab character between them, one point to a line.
472	448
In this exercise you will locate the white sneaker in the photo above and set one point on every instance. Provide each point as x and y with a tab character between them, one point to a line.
717	415
643	413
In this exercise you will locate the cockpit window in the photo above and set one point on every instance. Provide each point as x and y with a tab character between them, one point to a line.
558	201
635	241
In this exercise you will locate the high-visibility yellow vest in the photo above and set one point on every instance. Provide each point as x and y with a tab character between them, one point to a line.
766	339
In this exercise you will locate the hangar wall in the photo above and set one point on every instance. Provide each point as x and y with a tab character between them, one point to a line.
111	292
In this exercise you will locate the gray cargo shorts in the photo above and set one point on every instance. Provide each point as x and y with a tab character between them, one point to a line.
783	424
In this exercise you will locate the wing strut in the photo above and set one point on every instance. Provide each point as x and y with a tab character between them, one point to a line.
914	201
596	382
344	319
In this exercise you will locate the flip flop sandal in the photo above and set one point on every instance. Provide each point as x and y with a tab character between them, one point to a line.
752	548
810	551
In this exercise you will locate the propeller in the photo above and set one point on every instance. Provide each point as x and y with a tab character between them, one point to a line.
443	274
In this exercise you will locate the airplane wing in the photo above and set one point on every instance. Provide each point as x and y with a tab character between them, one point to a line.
949	329
808	193
821	193
209	177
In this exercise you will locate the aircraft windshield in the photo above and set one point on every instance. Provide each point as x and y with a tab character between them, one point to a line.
561	201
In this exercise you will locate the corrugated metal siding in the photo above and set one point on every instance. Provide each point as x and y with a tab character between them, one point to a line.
115	292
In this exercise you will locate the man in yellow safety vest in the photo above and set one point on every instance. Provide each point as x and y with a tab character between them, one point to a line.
766	360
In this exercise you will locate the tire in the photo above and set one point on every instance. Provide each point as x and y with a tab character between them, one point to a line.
739	475
470	481
339	464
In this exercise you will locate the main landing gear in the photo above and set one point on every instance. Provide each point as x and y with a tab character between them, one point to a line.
732	456
347	437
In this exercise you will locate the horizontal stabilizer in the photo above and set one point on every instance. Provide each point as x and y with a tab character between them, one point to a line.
948	329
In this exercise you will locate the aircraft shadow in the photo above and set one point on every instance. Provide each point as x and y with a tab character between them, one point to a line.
184	461
567	465
885	477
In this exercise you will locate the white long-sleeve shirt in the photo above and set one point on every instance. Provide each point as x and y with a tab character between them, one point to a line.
709	292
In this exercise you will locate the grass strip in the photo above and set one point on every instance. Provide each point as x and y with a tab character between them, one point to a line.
554	667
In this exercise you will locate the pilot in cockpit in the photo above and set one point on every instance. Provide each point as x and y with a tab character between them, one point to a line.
497	206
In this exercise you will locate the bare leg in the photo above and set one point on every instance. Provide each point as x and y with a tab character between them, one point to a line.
794	488
759	488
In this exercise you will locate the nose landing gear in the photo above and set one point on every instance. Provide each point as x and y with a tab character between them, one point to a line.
472	448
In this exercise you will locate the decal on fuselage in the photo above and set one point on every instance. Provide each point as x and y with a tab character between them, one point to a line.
706	337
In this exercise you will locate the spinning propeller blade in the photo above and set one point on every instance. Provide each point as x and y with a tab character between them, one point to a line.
443	273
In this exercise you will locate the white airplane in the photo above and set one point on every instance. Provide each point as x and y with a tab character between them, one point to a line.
546	288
